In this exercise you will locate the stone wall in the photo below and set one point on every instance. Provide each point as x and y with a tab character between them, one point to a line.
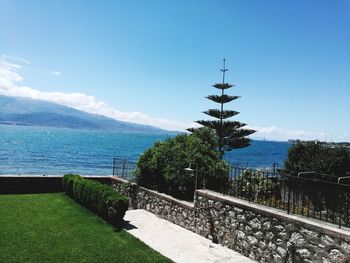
269	235
261	233
179	212
12	184
30	184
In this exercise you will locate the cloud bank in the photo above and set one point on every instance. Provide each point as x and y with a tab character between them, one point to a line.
280	134
10	80
10	85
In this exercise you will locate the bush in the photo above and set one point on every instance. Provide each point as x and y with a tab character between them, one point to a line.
99	198
321	158
162	167
329	162
256	187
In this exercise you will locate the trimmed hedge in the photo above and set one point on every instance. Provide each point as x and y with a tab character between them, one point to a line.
100	198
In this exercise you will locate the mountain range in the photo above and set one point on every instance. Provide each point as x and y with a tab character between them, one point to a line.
31	112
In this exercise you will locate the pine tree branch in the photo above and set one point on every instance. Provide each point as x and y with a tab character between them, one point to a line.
222	86
216	125
221	115
236	143
222	98
192	130
236	133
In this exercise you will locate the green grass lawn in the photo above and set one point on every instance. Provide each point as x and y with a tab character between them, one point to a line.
54	228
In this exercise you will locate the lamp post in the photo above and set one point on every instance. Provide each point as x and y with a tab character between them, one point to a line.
344	177
189	169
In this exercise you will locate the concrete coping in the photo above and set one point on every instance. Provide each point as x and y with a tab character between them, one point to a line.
312	224
121	180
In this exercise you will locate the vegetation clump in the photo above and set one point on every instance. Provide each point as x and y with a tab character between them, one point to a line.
252	185
319	167
99	198
162	167
323	159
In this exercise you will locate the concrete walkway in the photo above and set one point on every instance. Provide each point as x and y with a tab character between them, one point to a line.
177	243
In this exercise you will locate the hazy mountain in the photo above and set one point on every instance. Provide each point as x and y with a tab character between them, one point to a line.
30	112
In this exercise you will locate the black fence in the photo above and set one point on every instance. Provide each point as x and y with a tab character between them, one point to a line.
317	196
123	167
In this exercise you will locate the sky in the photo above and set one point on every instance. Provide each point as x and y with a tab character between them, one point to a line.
154	62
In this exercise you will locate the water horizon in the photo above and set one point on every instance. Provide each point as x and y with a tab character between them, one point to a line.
30	150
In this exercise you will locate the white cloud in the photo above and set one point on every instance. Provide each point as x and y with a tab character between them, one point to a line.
280	134
56	73
10	85
9	75
16	59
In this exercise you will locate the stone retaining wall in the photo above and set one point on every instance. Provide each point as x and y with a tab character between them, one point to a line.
269	235
179	212
30	184
12	184
261	233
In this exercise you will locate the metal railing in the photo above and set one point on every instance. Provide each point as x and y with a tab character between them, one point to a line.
123	167
318	196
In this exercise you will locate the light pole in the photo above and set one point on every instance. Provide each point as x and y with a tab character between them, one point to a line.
189	169
344	177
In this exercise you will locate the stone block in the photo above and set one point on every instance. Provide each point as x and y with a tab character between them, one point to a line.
303	252
252	240
336	256
255	223
266	225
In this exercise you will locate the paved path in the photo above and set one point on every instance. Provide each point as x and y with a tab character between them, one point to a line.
177	243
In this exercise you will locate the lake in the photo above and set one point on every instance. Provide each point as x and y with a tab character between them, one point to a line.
28	150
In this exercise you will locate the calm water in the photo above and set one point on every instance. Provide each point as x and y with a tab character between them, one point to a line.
52	151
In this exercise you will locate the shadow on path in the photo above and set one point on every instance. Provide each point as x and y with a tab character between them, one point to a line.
128	226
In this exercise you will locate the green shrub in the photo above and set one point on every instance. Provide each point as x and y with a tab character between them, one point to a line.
329	162
162	167
100	198
67	183
254	186
318	157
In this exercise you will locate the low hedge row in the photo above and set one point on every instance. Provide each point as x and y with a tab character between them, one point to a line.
100	198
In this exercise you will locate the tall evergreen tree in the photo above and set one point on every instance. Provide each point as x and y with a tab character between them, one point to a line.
231	134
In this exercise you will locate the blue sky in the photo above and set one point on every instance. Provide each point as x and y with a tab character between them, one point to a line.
154	61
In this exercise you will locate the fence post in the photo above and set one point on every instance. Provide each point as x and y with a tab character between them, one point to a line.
347	210
340	207
288	204
249	186
123	168
230	182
